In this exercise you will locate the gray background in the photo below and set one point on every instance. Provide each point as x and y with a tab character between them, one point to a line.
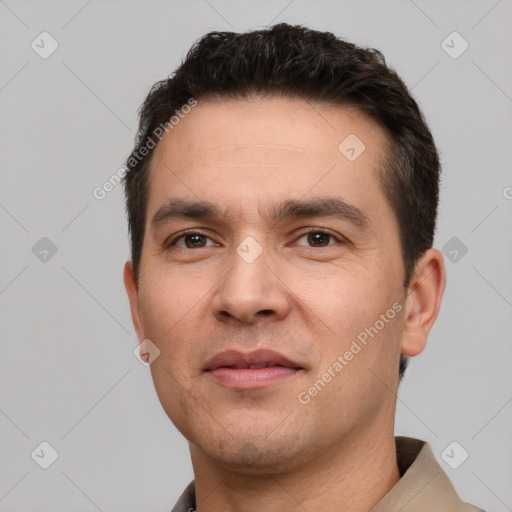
68	375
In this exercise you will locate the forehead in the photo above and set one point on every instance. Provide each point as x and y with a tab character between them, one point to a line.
236	151
276	123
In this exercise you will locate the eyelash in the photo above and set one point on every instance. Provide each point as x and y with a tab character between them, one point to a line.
169	243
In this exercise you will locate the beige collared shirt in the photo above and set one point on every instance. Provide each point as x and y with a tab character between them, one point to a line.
423	486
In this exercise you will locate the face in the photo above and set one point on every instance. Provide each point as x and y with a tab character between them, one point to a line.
297	252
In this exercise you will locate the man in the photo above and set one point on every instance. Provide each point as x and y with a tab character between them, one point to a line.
282	198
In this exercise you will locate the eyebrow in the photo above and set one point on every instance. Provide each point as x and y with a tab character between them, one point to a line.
175	208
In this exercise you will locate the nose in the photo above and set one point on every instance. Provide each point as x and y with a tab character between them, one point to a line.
250	290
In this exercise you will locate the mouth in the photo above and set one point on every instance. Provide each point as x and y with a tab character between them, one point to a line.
256	369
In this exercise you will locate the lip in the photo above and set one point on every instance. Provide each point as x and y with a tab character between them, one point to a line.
233	368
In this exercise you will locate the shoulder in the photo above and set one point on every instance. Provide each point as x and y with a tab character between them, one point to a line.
423	486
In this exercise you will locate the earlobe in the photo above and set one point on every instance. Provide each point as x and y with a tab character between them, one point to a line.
133	296
423	301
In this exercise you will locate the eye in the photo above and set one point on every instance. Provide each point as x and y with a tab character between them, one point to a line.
190	240
315	238
318	238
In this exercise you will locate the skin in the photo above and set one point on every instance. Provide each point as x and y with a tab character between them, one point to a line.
262	449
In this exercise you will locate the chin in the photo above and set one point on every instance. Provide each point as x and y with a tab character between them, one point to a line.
258	456
249	461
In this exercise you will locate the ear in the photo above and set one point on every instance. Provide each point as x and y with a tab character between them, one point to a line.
423	301
133	296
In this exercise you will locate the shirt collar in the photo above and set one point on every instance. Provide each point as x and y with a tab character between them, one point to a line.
423	485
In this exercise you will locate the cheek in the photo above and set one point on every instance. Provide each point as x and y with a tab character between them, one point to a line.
167	299
176	310
343	300
342	314
170	311
163	312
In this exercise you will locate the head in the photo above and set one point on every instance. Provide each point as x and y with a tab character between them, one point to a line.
303	182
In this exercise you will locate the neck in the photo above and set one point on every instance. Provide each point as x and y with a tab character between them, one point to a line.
352	477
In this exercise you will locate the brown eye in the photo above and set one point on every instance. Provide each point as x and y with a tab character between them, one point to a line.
192	240
318	238
195	241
